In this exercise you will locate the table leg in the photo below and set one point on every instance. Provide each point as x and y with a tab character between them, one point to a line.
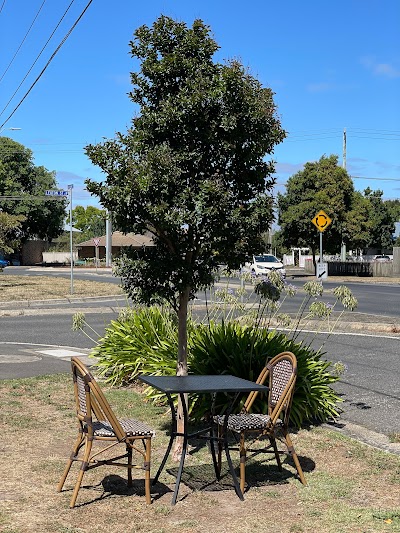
226	448
184	448
171	440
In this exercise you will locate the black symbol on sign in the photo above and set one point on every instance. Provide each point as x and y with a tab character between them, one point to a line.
321	221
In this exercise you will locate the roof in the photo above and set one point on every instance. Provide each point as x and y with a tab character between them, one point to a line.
120	239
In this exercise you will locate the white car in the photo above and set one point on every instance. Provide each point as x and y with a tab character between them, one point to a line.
262	264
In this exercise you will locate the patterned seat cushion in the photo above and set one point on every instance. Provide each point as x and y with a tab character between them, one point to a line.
133	428
244	421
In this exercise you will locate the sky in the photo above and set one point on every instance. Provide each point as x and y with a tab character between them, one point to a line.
333	66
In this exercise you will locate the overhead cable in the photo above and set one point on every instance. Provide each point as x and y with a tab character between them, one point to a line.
23	40
37	57
47	64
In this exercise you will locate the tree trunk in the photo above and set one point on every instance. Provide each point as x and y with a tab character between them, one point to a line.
181	367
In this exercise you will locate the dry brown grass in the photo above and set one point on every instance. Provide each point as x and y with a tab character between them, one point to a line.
17	288
351	487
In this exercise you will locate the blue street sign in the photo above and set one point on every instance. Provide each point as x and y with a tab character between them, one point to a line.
56	193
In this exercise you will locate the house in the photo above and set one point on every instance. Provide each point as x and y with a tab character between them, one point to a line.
87	249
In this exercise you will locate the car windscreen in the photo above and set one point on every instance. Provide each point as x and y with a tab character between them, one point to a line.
265	259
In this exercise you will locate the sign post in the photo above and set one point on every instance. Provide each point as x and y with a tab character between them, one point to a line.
96	242
321	221
58	193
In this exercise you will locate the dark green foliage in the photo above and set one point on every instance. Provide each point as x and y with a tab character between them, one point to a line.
19	177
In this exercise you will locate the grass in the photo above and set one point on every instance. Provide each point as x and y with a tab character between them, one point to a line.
17	288
351	487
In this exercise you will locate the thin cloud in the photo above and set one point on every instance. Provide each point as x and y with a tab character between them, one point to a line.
321	87
380	69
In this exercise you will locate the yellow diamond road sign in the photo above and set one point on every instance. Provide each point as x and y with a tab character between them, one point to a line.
321	221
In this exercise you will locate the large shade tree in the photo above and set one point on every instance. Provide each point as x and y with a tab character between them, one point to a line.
191	169
27	183
321	185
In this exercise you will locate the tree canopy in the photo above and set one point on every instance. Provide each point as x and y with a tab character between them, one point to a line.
90	220
360	220
321	185
191	169
9	224
19	177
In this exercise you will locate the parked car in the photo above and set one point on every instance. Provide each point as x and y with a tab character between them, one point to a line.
4	263
262	264
382	258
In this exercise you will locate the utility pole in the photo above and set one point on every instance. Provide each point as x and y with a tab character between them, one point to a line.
344	148
343	248
70	187
108	240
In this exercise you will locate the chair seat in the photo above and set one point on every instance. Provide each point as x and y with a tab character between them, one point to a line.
133	428
245	421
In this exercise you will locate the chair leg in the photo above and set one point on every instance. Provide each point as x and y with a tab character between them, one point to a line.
295	458
242	451
75	449
147	471
272	440
220	446
129	453
85	461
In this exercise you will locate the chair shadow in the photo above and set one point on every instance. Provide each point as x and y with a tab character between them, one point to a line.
114	485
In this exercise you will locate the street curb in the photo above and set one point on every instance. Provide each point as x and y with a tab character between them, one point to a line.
364	435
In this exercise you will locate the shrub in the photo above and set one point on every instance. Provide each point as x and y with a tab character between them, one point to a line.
139	341
230	348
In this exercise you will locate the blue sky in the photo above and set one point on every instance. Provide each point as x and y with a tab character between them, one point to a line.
332	65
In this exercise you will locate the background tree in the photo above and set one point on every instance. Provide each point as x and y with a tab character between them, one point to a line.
20	177
382	220
9	225
320	185
358	223
91	221
191	168
394	209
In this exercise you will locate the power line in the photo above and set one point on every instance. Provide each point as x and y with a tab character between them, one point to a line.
48	63
37	57
2	5
23	40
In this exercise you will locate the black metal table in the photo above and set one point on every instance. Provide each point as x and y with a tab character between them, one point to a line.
201	385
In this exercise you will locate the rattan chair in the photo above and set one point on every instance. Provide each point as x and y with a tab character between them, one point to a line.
282	372
97	422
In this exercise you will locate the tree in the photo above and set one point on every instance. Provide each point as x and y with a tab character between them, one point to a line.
394	209
382	220
191	168
320	185
358	222
91	221
9	224
19	177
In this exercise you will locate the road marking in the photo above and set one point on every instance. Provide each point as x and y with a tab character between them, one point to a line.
61	353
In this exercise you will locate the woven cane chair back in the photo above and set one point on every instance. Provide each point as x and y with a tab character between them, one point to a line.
90	401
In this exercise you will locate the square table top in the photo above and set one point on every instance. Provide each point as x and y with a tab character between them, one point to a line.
195	383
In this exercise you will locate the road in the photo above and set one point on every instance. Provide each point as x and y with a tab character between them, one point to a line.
370	386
